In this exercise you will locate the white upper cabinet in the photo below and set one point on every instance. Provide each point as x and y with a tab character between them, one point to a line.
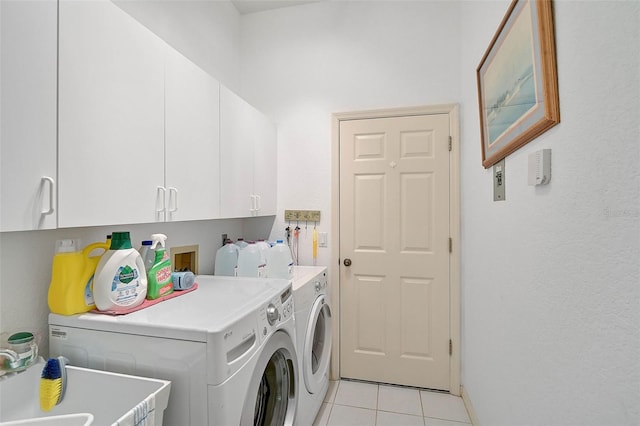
139	124
247	159
111	117
192	135
236	158
265	167
28	169
126	131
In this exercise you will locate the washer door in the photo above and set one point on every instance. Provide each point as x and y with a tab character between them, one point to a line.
317	345
272	396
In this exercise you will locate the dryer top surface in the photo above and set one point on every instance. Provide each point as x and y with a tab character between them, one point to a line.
303	275
212	307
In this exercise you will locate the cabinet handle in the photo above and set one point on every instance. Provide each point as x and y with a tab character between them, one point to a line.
258	203
173	200
252	203
160	205
49	182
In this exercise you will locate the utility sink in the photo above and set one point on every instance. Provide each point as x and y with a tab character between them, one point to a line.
80	419
92	397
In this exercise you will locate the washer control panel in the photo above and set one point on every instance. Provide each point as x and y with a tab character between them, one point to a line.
321	283
276	311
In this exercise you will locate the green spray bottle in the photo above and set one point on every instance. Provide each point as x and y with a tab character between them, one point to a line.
159	275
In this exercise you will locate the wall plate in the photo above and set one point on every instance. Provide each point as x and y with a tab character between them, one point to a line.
185	258
499	181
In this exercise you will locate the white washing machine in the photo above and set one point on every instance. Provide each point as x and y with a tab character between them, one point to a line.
313	333
228	348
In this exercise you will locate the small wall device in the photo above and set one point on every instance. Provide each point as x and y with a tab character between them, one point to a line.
540	167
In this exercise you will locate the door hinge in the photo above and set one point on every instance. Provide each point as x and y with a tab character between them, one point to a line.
450	347
450	245
450	142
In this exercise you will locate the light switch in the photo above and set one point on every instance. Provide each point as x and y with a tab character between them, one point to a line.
322	239
499	181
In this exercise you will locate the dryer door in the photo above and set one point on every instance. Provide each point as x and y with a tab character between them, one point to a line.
317	345
272	396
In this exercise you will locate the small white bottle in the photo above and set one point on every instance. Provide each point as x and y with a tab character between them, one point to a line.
251	262
226	259
147	254
279	261
120	281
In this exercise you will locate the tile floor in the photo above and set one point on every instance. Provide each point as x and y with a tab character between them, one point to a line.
350	403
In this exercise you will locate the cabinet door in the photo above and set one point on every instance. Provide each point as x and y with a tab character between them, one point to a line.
192	138
28	114
111	116
265	165
236	158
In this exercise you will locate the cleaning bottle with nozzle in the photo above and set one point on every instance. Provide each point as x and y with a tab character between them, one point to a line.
159	275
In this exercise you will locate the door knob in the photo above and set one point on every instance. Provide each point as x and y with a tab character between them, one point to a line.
347	262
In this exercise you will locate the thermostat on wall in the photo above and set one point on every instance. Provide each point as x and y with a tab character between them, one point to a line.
540	167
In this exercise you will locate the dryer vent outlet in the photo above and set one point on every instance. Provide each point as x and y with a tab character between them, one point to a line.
185	258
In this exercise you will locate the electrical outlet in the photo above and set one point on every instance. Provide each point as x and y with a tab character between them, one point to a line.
302	215
224	239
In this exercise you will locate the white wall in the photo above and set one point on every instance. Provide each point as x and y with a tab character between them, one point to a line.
301	64
551	275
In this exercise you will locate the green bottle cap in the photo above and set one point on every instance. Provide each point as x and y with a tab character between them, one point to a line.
19	338
120	241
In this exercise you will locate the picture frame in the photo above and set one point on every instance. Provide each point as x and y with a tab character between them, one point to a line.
518	81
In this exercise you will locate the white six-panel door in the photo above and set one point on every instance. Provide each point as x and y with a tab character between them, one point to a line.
394	230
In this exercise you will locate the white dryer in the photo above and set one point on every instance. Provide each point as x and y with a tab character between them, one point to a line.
228	348
313	333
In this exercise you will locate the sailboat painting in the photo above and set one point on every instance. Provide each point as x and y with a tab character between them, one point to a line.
517	81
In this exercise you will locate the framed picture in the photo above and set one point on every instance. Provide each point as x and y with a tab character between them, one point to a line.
518	81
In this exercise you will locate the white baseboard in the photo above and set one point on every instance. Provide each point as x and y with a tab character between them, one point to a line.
469	406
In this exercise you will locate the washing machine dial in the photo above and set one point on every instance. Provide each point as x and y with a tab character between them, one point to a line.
272	314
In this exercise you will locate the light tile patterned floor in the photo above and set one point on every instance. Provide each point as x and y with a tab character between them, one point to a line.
350	403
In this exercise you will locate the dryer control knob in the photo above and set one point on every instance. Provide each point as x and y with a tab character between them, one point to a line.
272	314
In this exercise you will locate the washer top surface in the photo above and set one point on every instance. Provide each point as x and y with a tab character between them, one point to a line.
213	306
304	274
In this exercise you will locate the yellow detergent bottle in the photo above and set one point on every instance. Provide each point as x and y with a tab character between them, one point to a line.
71	288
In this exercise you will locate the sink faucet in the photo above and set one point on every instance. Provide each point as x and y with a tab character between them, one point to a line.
11	356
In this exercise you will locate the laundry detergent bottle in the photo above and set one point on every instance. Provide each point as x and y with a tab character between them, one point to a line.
72	275
160	282
120	281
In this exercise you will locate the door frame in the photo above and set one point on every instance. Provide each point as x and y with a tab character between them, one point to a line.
454	227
